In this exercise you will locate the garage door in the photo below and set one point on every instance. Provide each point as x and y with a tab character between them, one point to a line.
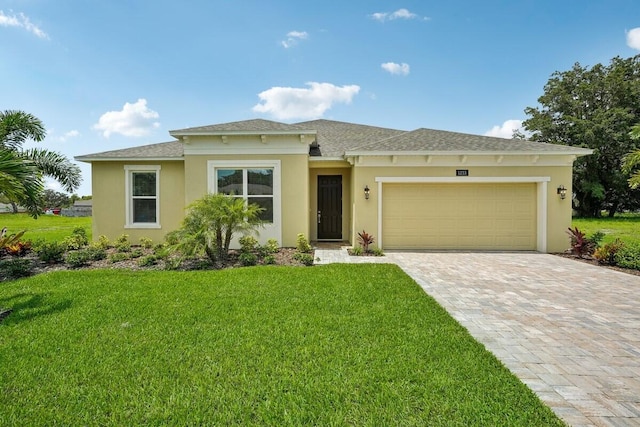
459	216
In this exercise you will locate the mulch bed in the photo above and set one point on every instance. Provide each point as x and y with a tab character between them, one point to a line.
593	261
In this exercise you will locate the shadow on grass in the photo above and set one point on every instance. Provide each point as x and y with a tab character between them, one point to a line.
23	307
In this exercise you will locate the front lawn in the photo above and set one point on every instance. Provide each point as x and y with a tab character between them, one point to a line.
329	345
625	227
46	227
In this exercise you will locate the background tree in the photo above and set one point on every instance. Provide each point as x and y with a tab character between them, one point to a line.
593	108
22	171
55	199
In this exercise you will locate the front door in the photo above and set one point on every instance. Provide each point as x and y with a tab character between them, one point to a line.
330	207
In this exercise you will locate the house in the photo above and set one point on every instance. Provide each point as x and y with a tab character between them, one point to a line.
420	189
78	209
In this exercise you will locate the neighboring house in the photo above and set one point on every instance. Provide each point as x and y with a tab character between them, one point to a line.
79	208
422	189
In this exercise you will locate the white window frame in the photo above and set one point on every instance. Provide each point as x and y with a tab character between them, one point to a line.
270	230
129	171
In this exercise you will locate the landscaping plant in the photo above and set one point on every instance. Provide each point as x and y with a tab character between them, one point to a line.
580	244
365	239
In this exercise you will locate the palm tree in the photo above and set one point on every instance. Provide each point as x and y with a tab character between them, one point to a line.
22	171
632	160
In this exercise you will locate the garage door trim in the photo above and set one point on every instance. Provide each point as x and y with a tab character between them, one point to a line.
541	182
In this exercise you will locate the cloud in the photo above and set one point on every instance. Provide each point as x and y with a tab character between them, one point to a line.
21	21
393	68
506	130
133	120
286	103
293	38
398	14
71	134
633	38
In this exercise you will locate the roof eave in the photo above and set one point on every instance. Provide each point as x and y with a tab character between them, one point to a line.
575	152
86	159
178	133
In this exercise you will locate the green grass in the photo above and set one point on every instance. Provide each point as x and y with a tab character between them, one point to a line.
330	345
625	227
47	227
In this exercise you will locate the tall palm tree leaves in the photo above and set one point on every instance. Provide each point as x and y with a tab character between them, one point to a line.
56	166
17	126
632	160
21	180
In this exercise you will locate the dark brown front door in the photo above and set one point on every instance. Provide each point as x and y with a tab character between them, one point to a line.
329	207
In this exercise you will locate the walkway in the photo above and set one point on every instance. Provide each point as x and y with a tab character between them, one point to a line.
569	330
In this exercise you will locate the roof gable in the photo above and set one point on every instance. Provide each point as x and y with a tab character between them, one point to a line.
244	127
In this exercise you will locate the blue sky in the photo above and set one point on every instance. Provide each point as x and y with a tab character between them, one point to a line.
104	75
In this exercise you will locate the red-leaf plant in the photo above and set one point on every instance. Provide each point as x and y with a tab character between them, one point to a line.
580	244
365	239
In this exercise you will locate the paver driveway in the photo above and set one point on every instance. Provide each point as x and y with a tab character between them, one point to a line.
569	330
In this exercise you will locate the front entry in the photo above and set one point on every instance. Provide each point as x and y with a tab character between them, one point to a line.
329	207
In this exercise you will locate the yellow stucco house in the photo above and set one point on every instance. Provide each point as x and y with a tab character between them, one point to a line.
420	189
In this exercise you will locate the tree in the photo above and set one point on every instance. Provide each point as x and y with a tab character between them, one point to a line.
55	199
22	171
631	161
593	108
210	224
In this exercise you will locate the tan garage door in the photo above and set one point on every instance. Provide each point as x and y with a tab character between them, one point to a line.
459	216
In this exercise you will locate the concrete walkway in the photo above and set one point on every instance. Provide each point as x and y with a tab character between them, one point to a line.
569	330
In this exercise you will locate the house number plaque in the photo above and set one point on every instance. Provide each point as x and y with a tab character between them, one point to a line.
462	172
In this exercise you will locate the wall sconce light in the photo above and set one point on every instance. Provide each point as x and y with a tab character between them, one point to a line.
367	191
562	191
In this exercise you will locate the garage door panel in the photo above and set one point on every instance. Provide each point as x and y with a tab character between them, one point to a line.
459	216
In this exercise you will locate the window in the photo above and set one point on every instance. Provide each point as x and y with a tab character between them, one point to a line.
255	185
142	203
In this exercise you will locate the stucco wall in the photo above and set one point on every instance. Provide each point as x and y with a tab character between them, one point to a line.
108	191
365	212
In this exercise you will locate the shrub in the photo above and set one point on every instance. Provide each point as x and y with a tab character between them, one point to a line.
103	242
303	258
96	254
18	248
77	240
123	247
596	238
147	261
365	239
356	250
248	258
8	240
377	252
302	244
77	259
248	243
580	244
628	256
146	242
269	260
272	246
607	254
119	256
161	251
51	252
123	238
16	267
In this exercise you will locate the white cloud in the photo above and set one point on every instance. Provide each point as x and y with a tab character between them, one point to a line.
293	38
633	38
506	130
398	14
393	68
133	120
21	21
67	135
286	103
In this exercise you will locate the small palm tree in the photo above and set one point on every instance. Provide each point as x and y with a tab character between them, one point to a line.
631	161
22	171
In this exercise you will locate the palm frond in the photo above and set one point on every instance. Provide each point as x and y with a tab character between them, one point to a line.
56	166
21	181
17	126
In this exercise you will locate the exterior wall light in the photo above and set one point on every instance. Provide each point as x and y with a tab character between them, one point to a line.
562	191
367	191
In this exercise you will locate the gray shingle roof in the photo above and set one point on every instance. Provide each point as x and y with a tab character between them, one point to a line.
438	141
244	126
337	137
163	150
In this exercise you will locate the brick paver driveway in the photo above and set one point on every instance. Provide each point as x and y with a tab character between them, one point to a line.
569	330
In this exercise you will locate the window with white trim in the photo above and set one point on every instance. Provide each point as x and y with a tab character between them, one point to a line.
254	185
142	193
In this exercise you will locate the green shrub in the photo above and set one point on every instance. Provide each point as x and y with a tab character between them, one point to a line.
607	254
51	252
103	242
77	259
119	256
302	244
123	238
16	268
77	240
377	252
269	260
303	258
357	250
161	251
248	258
137	253
248	243
147	261
146	242
628	256
272	246
596	238
123	247
95	253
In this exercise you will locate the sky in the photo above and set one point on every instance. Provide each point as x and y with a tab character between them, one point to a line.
105	75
